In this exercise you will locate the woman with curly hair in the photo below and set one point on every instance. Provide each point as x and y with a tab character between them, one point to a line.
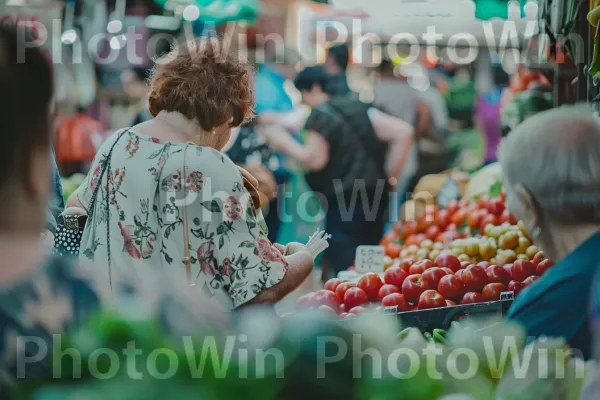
162	195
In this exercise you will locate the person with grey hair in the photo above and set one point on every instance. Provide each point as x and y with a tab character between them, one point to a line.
551	166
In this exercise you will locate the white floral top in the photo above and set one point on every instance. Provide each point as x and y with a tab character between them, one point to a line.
142	197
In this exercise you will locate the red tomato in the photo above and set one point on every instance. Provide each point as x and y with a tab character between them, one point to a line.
508	217
451	287
395	276
464	203
496	207
414	239
433	276
420	266
393	250
341	289
385	290
515	287
305	301
413	286
452	227
452	207
448	271
333	283
488	219
474	218
448	261
327	298
357	310
483	202
474	278
388	238
442	219
432	232
522	269
530	280
396	299
355	296
370	283
496	274
543	266
450	303
459	217
538	258
409	228
503	195
492	291
471	298
327	310
431	299
405	263
448	236
484	264
465	264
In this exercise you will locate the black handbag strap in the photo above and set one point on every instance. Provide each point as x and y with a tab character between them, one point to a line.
92	204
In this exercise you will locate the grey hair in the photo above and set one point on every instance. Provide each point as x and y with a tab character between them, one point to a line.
555	155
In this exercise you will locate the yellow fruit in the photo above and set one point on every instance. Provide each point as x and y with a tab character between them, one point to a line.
494	261
522	228
457	252
522	257
422	254
433	254
509	256
438	246
532	251
412	249
427	244
486	251
524	244
387	262
472	249
508	240
404	253
464	257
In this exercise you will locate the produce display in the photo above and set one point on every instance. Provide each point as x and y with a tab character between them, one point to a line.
469	252
71	184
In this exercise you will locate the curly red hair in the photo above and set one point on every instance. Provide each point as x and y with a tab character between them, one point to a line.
204	83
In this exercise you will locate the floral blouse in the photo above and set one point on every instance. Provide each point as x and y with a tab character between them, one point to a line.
147	190
59	296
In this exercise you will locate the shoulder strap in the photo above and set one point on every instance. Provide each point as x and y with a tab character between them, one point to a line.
92	204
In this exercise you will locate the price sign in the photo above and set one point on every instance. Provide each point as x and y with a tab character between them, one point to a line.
450	191
390	310
369	259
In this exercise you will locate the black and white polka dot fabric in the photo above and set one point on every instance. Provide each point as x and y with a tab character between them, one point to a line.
68	235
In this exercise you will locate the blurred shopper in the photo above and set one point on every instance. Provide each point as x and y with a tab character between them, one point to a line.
487	114
168	199
271	98
556	194
345	155
135	86
41	295
336	64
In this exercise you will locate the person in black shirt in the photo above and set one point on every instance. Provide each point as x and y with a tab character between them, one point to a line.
345	163
336	64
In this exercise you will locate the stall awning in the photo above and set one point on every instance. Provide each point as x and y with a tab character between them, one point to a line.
220	11
488	9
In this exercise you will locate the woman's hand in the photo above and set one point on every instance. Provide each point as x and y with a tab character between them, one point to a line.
291	248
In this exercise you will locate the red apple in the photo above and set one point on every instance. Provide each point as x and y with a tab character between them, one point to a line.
447	261
459	273
413	286
370	283
451	287
448	271
395	276
396	299
508	268
385	290
543	266
450	303
465	264
433	276
497	274
471	297
492	291
522	269
357	310
327	310
349	315
405	264
484	264
431	299
355	297
474	278
515	287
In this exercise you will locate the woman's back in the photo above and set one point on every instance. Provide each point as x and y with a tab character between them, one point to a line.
152	186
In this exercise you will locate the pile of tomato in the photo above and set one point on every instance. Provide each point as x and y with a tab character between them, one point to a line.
416	285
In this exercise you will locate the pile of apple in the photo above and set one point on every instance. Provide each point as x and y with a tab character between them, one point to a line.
413	284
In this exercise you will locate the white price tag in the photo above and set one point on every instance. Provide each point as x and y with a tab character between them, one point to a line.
369	259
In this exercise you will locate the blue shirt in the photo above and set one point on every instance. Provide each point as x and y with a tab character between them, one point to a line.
270	96
56	202
557	304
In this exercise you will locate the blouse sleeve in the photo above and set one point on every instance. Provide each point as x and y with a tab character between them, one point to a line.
227	242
